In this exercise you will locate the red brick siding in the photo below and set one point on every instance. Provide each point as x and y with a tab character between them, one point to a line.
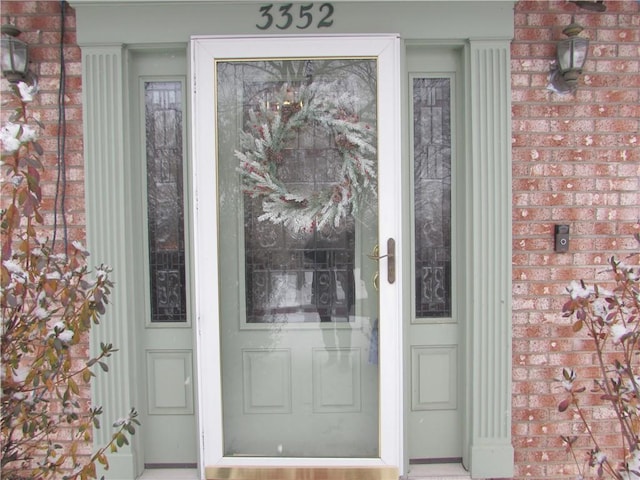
575	160
40	23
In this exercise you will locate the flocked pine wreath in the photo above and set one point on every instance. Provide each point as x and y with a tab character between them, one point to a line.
269	131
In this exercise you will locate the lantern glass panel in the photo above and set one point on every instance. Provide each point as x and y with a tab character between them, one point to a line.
565	58
580	47
14	56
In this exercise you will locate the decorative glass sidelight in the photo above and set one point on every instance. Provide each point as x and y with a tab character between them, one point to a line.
163	125
432	195
297	166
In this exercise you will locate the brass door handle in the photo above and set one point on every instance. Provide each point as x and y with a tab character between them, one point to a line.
375	253
390	256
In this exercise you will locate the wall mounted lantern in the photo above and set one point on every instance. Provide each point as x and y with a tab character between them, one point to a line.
570	58
591	5
572	53
15	55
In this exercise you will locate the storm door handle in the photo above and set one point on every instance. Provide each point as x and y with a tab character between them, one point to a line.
390	256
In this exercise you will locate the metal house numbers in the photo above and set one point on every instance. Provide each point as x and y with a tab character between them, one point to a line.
301	17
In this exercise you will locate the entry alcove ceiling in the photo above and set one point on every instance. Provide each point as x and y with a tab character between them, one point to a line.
107	30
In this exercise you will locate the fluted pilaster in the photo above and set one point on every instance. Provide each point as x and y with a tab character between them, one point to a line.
489	257
108	221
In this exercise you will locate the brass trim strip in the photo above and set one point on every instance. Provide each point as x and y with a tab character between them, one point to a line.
301	473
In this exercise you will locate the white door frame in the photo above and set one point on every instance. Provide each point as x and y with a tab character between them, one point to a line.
204	50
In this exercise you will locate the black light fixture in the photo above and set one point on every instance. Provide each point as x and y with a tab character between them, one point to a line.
572	54
15	55
591	5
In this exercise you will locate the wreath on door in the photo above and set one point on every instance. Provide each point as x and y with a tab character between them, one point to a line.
272	128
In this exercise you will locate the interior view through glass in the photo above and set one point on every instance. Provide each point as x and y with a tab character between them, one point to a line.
297	206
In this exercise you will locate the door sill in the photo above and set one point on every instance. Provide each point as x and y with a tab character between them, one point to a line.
308	473
438	471
442	471
169	474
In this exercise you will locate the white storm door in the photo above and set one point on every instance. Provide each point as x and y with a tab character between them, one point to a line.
296	175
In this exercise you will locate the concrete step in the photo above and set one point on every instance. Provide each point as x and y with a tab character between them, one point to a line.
438	471
169	474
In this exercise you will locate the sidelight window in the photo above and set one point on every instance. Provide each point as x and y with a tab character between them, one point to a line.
163	125
432	195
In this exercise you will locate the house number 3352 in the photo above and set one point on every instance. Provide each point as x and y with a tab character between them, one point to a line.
301	16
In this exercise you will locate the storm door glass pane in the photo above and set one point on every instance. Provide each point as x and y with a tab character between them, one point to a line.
432	195
163	125
297	166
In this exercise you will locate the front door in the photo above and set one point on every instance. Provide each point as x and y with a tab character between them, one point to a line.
298	250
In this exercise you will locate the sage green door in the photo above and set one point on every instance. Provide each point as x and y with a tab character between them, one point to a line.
299	309
165	355
435	351
306	349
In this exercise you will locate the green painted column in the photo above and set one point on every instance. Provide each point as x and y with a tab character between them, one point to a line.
108	221
488	281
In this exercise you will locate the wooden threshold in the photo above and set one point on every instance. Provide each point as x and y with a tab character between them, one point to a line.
301	473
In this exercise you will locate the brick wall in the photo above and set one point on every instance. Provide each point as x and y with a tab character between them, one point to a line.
40	22
575	161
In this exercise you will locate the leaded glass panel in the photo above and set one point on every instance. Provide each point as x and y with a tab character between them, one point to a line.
163	125
432	195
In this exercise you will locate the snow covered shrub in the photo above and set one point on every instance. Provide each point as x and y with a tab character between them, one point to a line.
49	302
610	319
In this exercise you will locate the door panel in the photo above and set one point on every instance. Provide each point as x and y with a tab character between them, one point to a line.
168	379
165	359
432	370
434	419
303	152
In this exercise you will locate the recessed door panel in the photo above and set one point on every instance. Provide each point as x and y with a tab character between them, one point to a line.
266	378
433	378
169	382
